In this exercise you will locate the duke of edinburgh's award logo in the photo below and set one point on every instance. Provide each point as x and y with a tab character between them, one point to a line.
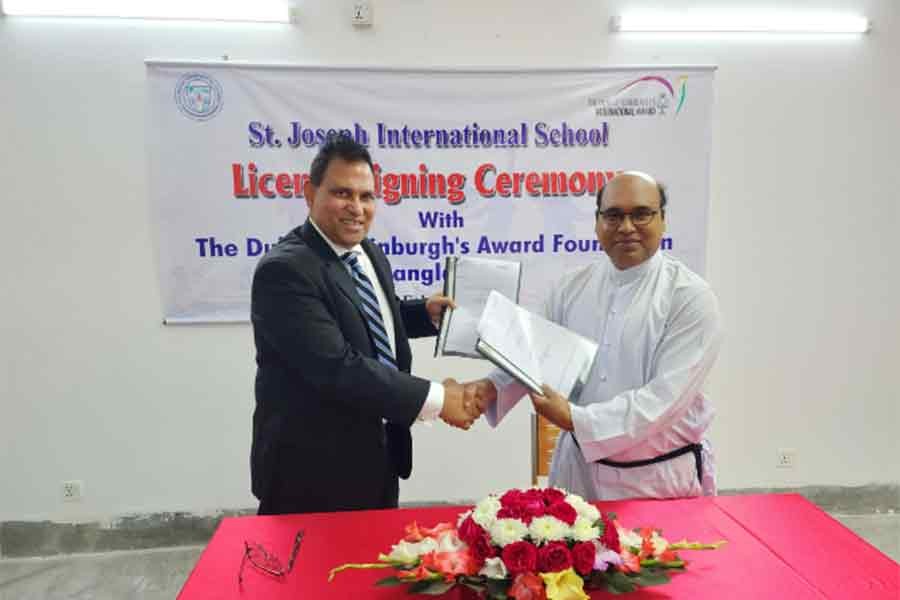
199	96
643	97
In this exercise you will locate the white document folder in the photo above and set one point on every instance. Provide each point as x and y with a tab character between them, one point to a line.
469	281
532	349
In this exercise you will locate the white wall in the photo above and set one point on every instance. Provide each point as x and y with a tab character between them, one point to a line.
803	218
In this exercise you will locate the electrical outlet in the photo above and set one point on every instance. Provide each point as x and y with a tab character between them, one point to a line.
786	458
72	491
362	13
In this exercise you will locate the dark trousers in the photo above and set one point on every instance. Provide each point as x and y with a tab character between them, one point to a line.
285	497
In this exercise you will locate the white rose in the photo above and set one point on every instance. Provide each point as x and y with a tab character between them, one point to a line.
548	529
583	530
584	509
485	512
506	531
591	513
494	569
575	500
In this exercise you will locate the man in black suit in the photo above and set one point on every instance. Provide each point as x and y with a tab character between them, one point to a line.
334	397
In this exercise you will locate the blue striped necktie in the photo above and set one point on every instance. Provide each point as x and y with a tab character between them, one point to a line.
371	310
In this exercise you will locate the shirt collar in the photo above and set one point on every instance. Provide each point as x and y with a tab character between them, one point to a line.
626	276
337	249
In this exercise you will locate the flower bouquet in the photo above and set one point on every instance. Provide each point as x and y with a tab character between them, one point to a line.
530	544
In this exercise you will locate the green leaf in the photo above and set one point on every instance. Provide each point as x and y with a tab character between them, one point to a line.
619	583
659	564
595	581
432	588
389	581
650	577
497	588
473	582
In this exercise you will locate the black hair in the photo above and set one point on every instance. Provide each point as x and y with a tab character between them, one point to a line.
337	145
659	188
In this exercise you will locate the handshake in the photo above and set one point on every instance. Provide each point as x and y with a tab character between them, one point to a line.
465	402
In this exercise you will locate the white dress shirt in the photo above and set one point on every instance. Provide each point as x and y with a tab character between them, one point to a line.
434	402
658	330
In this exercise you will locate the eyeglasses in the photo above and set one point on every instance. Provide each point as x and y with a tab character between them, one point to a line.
640	217
266	562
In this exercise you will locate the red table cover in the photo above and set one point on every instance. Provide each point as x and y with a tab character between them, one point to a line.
779	546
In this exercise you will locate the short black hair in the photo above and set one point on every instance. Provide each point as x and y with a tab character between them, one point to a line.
659	188
337	145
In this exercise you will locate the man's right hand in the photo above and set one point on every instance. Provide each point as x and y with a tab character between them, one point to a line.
483	391
461	407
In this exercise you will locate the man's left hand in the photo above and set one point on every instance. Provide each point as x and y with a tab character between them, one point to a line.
553	407
435	306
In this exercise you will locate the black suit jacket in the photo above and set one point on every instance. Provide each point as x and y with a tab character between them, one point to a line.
321	395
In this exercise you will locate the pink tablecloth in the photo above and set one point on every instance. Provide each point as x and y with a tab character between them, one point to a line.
779	546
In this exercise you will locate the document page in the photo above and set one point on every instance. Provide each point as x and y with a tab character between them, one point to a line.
469	282
532	349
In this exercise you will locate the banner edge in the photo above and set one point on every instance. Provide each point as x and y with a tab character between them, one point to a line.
237	64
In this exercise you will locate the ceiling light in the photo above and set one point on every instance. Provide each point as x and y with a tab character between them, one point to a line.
738	23
275	11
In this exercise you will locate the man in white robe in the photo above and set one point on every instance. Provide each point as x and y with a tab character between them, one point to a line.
637	428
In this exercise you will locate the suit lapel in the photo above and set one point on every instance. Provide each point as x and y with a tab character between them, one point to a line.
341	277
335	269
333	265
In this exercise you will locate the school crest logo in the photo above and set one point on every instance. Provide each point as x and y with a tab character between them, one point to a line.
199	96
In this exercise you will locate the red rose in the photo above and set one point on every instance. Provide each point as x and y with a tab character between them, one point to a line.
519	557
469	530
530	511
512	498
610	537
552	496
533	495
512	512
482	547
564	512
533	504
554	557
583	555
527	586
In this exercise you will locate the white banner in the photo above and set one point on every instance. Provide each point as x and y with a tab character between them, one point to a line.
495	163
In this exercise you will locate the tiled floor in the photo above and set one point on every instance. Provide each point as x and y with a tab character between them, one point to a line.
145	574
159	574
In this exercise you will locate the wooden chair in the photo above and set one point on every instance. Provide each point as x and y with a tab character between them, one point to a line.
543	440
